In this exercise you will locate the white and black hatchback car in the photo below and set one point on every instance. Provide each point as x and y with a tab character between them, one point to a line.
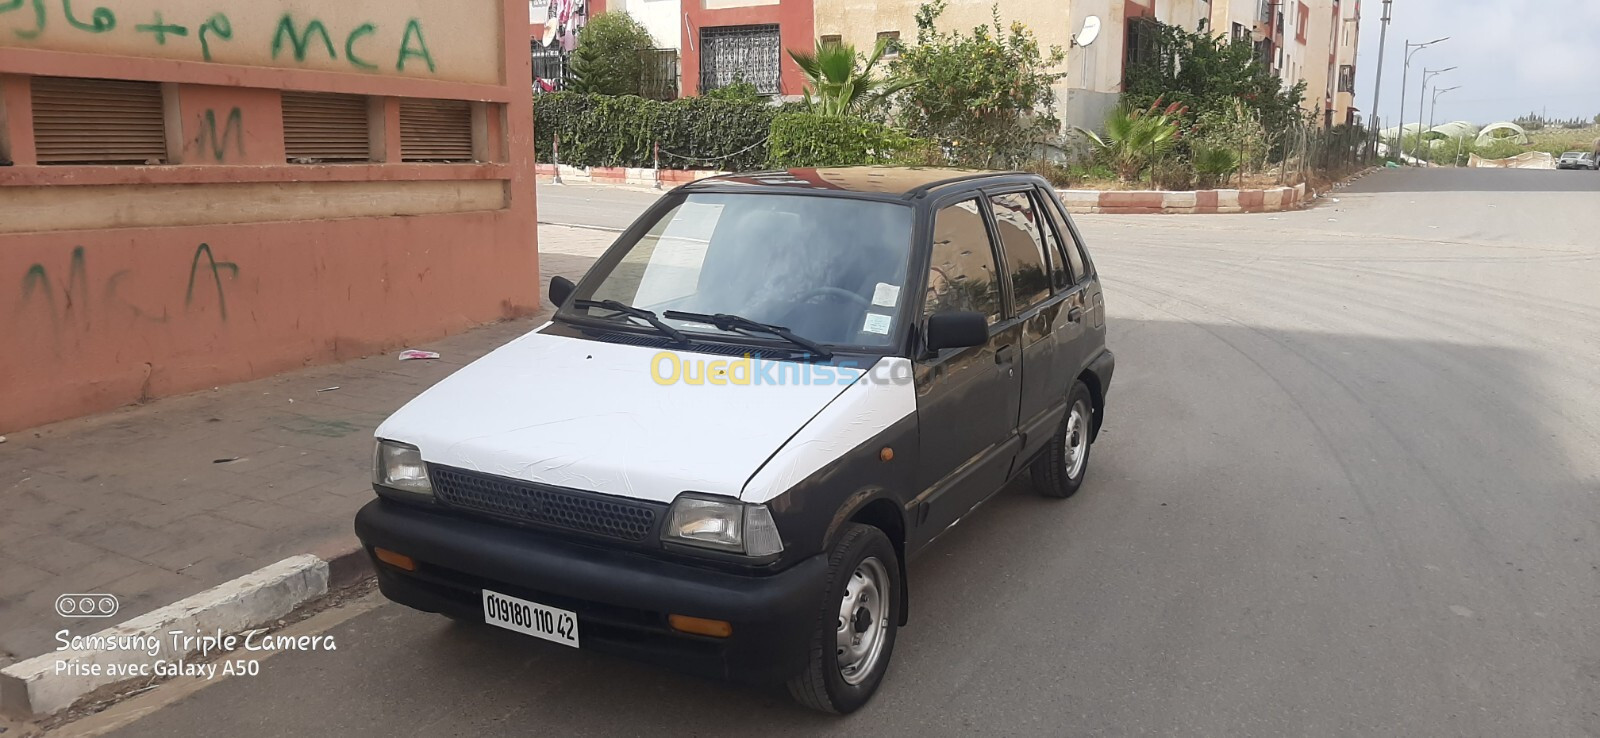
766	396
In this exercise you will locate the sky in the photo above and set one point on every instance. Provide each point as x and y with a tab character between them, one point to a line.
1514	57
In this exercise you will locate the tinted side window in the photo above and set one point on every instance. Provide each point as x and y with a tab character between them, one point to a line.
961	273
1022	238
1058	221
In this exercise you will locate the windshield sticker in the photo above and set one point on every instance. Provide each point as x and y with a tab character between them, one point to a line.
886	295
876	323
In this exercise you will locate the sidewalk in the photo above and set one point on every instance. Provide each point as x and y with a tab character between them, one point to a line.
157	502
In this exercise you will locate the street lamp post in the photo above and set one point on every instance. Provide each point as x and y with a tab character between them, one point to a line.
1411	50
1434	108
1427	74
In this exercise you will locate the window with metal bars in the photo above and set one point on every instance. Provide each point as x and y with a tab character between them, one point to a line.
752	54
98	121
435	130
321	127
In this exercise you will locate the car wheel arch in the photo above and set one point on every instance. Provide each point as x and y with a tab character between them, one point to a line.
875	508
1097	395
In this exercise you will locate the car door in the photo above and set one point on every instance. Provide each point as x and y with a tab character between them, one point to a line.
1043	299
967	398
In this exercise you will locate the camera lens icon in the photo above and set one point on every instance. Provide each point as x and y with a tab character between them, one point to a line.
87	605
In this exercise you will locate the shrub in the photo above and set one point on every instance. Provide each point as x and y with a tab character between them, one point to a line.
609	59
1173	173
812	140
987	93
620	131
1135	139
1057	174
1212	164
1208	73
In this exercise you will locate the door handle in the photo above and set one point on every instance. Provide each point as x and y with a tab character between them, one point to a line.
1075	315
1002	355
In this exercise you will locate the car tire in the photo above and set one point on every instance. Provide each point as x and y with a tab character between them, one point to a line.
1060	470
863	578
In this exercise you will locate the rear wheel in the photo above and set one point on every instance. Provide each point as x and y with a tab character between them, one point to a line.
1059	472
856	627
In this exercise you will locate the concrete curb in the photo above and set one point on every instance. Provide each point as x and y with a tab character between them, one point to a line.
53	681
1161	202
639	177
1108	202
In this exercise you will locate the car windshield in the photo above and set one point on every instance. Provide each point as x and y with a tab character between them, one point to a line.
1573	155
830	269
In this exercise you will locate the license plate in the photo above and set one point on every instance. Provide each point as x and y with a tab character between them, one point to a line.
531	618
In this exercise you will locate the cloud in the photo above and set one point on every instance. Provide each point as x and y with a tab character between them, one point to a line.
1512	57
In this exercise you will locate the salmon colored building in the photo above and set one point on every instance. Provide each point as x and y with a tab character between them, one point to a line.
194	193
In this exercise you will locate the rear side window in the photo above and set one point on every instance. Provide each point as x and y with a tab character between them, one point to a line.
961	273
1022	239
1065	241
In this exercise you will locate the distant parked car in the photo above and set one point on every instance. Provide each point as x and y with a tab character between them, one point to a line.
1578	160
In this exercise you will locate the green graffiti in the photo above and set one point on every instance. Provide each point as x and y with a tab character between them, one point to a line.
413	28
104	19
234	131
77	284
301	42
219	25
216	275
365	29
162	29
38	17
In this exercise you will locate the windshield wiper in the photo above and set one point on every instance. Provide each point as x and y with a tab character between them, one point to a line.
640	313
726	322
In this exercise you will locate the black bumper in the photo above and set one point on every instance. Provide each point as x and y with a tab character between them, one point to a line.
622	597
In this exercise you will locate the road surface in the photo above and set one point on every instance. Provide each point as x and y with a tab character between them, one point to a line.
1349	485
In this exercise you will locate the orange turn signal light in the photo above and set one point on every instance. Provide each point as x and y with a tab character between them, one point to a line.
396	560
701	626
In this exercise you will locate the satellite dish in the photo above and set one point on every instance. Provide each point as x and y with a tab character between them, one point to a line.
1090	32
550	28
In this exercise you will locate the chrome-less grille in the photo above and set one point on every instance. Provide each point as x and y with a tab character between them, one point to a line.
544	505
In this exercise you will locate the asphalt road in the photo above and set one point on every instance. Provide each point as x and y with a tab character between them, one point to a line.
588	205
1349	485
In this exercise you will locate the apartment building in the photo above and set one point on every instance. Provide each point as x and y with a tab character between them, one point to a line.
724	40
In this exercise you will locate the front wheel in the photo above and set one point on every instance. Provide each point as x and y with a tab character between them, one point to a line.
1059	472
856	627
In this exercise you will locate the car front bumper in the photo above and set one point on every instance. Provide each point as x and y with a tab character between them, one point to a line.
622	598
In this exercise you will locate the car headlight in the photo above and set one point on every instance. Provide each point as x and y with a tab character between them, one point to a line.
399	466
722	524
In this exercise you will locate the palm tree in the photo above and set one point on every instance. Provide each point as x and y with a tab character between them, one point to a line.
1137	138
837	86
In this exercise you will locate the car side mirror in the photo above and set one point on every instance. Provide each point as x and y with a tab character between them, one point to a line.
957	330
561	290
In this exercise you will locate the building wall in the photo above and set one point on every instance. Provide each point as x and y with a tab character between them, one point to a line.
129	281
1349	42
796	20
1318	70
663	18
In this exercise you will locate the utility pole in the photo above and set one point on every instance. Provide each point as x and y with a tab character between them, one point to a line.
1377	84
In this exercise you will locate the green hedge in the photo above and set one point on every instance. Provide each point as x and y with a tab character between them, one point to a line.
811	140
619	131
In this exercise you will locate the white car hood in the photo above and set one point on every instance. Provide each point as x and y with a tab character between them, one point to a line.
590	415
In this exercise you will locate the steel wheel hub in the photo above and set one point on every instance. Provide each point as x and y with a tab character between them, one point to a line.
863	621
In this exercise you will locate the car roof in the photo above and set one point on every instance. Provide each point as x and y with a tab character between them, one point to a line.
900	182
